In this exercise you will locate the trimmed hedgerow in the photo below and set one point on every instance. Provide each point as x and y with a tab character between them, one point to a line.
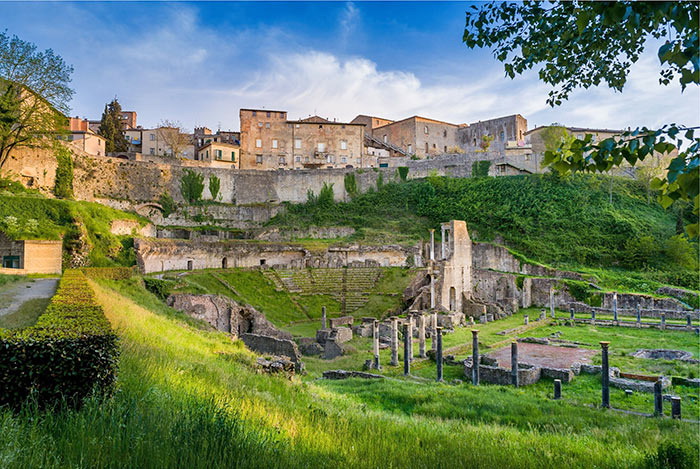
108	273
68	353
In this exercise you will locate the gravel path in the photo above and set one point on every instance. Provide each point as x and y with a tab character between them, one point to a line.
13	295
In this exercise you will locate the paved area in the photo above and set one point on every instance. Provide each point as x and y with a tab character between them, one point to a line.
13	295
548	356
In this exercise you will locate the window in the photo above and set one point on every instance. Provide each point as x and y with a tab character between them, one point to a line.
474	143
258	143
320	126
425	129
503	135
153	137
274	143
260	124
153	151
444	133
434	145
445	149
298	159
298	126
385	139
321	147
267	125
10	262
329	159
255	113
219	154
410	149
282	160
343	145
426	147
343	159
306	159
207	154
268	113
579	136
342	126
297	143
258	159
233	156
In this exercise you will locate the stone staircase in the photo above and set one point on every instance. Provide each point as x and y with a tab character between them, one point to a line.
375	142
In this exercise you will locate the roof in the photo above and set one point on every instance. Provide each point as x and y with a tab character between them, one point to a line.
374	117
222	144
505	163
261	110
576	129
417	118
325	122
315	119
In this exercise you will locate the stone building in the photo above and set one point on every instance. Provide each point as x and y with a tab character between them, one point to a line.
269	141
155	142
508	133
30	256
534	137
203	136
418	136
83	138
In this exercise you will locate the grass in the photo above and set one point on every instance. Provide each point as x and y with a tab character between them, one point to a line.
191	398
6	279
26	315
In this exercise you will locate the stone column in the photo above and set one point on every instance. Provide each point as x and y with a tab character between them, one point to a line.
432	289
324	321
658	399
571	313
663	320
410	337
676	407
432	244
421	336
687	320
557	389
475	357
375	344
394	341
639	315
527	319
605	375
438	355
592	316
433	331
442	240
514	363
407	348
615	306
551	301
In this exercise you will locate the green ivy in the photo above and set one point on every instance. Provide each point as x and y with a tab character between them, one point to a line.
480	169
351	185
63	187
403	172
192	186
167	204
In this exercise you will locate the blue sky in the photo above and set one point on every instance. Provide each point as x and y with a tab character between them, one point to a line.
198	63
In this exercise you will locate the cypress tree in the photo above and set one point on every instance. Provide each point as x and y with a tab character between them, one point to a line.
110	128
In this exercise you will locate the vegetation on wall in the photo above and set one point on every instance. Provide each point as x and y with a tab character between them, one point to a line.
214	186
480	169
191	186
350	184
167	204
63	188
403	172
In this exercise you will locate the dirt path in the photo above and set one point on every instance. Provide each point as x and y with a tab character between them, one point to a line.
15	294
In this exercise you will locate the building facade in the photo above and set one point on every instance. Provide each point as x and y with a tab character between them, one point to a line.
418	136
508	132
269	141
216	152
30	256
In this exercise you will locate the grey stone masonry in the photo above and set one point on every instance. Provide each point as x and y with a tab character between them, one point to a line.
421	336
407	349
273	346
514	362
433	331
675	407
394	342
343	374
375	345
475	355
342	321
605	375
324	322
658	399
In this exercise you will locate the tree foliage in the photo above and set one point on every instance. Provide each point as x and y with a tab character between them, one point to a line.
167	204
63	186
583	44
214	186
192	186
111	128
350	182
554	136
174	136
34	94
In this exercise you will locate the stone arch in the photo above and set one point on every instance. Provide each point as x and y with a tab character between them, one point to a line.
224	263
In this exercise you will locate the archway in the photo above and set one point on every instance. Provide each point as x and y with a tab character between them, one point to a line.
224	263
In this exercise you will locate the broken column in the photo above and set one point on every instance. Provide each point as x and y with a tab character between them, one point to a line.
658	399
605	375
394	341
324	321
527	320
571	313
407	348
557	389
421	335
438	355
432	289
551	301
375	344
433	331
639	315
615	307
475	357
514	363
432	244
687	320
676	407
663	320
593	316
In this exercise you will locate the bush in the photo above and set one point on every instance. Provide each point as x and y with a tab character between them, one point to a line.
167	204
63	188
480	169
192	186
640	252
351	185
67	354
108	273
214	186
673	455
403	172
160	288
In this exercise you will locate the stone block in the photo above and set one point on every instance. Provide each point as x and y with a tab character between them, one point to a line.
332	349
563	374
273	346
638	385
341	321
343	374
489	317
322	335
341	334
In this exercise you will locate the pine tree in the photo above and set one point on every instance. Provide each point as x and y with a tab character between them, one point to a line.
111	129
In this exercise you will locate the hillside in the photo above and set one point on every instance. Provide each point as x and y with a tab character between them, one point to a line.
569	223
192	398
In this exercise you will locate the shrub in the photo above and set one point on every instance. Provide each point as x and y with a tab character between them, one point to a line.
167	204
214	186
160	288
63	188
67	354
108	273
192	186
673	455
681	253
325	197
640	252
351	184
480	169
403	172
380	180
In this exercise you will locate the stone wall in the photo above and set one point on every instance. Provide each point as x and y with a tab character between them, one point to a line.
157	255
272	346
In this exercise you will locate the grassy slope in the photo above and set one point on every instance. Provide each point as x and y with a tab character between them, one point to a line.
568	223
189	398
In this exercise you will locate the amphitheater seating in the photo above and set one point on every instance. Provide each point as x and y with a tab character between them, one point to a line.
351	287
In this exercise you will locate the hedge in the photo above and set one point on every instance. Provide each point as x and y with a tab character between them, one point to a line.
108	273
68	353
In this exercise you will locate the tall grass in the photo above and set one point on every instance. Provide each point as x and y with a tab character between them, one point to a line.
191	398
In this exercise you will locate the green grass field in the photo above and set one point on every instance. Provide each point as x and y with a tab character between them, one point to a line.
188	397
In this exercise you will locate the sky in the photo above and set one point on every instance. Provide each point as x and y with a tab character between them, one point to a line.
199	63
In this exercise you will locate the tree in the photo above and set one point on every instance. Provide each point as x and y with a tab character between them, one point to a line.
111	128
485	143
174	136
554	135
214	186
34	95
192	186
583	44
